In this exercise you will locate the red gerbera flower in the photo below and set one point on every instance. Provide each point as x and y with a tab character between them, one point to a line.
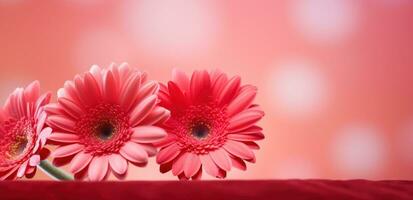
212	125
105	119
22	132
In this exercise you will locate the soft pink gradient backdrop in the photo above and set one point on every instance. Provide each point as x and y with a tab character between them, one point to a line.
335	77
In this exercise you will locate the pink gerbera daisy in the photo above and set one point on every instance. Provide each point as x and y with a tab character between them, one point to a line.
212	125
22	132
105	119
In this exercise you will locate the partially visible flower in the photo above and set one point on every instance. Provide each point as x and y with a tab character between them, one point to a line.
105	119
212	125
22	132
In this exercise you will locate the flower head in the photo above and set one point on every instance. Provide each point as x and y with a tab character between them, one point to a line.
212	125
105	119
22	132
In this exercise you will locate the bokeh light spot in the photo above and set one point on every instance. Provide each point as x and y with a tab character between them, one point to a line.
358	151
298	88
172	27
325	20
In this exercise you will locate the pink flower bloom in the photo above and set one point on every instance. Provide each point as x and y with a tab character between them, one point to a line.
105	119
22	132
212	125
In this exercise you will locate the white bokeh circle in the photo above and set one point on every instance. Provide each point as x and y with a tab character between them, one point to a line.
299	88
359	151
171	27
325	21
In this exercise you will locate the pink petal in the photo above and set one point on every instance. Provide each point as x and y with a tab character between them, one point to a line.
32	91
150	149
250	130
44	135
181	79
192	165
221	158
147	134
209	165
164	96
252	145
53	109
83	95
96	72
30	172
163	168
222	174
198	175
118	163
42	101
72	109
229	91
21	104
134	152
115	71
92	88
79	162
148	89
98	168
218	85
182	177
110	88
158	115
200	87
71	92
244	120
34	160
168	153
124	71
242	101
67	150
215	74
131	91
22	169
177	97
179	163
9	173
168	140
64	137
142	110
62	123
246	137
238	163
239	149
144	77
40	123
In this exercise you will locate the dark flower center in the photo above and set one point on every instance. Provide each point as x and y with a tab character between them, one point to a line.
105	131
200	131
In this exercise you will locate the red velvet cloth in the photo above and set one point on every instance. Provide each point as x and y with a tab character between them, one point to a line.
209	190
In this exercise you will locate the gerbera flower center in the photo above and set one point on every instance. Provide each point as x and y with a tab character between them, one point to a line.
17	140
103	129
200	128
19	146
200	131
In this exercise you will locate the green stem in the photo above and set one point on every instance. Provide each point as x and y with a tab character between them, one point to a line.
54	172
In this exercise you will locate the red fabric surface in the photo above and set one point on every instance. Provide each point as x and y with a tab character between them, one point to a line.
209	190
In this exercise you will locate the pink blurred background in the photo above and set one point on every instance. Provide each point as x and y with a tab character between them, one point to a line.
335	77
